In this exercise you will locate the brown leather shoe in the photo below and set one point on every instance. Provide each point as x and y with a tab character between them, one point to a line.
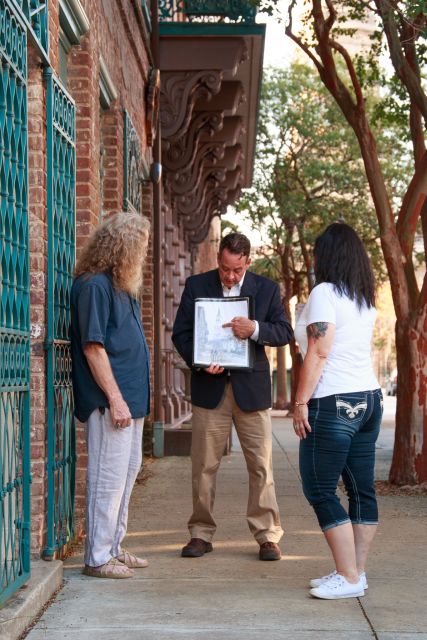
269	551
196	548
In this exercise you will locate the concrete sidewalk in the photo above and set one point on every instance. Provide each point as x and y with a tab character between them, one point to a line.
229	594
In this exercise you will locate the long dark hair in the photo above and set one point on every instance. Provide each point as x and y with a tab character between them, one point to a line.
340	258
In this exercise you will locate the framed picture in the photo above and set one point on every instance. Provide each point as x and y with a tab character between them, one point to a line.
216	344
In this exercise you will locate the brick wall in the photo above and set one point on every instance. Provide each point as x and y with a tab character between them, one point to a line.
117	33
38	280
110	134
83	69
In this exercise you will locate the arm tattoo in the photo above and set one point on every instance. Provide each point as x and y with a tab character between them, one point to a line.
317	330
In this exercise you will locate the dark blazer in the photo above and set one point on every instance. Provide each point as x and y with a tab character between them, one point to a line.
252	389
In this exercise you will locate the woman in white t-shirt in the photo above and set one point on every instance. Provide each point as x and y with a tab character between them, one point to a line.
338	406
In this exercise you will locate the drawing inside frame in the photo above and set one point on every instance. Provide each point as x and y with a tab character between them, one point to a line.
215	344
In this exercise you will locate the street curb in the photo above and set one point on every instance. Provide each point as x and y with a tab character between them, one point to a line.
21	609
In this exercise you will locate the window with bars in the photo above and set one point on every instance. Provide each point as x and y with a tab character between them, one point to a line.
14	307
61	163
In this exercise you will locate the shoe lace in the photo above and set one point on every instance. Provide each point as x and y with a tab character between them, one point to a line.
331	575
114	562
335	581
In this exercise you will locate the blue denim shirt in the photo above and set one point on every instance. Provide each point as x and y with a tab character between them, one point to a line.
112	318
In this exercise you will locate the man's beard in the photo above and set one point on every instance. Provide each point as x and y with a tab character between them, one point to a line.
134	283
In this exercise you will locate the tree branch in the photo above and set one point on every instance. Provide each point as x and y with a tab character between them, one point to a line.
415	116
351	70
403	69
424	226
298	40
411	206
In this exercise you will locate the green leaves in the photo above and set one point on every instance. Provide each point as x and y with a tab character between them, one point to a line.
307	173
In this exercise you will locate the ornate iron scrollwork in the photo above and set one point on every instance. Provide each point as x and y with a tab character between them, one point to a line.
61	132
132	167
207	10
14	307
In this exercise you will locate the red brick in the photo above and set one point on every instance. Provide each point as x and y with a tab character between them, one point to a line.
38	470
37	488
82	175
90	131
83	189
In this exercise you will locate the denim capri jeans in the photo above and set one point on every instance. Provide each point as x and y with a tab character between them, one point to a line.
345	428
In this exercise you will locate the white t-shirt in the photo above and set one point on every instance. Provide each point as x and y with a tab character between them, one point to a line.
348	367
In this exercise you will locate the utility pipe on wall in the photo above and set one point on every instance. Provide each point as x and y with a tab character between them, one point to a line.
158	447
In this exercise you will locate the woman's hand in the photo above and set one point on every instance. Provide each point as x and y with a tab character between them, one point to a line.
301	424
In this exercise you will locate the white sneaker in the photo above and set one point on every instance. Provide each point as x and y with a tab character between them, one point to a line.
338	587
316	582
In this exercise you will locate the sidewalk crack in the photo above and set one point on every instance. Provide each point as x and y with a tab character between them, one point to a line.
292	466
371	626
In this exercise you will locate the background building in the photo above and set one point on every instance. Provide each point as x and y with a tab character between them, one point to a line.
95	97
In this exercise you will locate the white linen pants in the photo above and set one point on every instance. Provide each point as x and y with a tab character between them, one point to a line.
114	460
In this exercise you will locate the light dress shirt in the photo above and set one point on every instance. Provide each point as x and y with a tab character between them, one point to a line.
235	291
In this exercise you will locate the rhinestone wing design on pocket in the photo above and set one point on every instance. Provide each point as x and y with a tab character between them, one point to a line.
352	411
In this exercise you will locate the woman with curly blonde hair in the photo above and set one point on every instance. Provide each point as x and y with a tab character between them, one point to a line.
111	383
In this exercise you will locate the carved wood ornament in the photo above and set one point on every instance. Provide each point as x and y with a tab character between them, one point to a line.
152	106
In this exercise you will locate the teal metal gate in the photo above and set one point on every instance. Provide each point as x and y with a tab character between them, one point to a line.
61	163
35	14
14	307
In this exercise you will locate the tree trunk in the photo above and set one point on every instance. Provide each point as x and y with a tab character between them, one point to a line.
282	390
409	464
295	357
410	451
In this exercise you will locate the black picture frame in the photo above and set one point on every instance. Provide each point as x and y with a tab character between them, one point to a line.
214	344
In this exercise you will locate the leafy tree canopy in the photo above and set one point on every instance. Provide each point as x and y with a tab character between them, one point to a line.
308	173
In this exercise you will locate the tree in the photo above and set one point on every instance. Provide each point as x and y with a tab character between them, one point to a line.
403	26
307	174
228	227
269	266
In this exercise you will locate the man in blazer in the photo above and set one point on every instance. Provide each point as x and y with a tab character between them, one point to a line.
221	397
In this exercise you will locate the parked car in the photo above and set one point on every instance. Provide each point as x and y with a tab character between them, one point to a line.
391	383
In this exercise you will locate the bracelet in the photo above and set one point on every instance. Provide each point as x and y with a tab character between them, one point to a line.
299	404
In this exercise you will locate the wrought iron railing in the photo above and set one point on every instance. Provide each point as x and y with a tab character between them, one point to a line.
14	307
131	167
61	162
36	13
207	11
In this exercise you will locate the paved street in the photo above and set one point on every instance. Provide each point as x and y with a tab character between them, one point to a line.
229	594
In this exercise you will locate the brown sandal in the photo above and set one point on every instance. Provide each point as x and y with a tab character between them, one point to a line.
132	561
113	569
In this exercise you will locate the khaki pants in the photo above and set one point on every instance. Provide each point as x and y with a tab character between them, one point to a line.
211	429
